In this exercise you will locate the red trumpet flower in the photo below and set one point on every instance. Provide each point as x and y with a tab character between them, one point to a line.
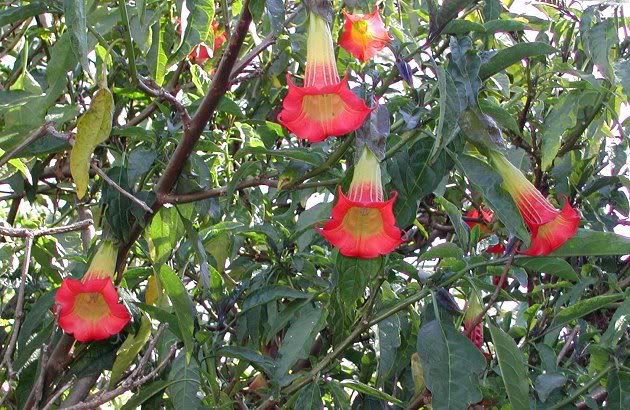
362	224
325	106
89	308
550	228
364	35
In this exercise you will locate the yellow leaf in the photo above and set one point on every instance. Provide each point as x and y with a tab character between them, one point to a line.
151	294
93	128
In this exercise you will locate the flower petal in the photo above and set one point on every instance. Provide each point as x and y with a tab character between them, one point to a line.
550	236
364	35
362	230
315	113
90	310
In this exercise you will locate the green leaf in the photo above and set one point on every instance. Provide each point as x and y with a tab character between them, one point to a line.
489	183
182	304
388	342
439	18
186	381
443	250
599	40
451	365
562	116
617	326
249	168
10	15
266	294
156	56
162	235
594	243
414	177
500	115
513	369
455	216
93	128
618	390
546	383
460	27
264	363
198	28
370	391
74	13
276	12
463	66
496	26
553	266
512	55
309	398
145	393
129	350
353	275
299	338
584	307
622	71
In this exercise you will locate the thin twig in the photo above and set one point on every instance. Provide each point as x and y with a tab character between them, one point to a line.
269	40
494	296
99	399
35	135
58	394
567	345
120	189
17	320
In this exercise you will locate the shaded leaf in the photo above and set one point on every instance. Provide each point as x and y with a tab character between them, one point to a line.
513	368
512	55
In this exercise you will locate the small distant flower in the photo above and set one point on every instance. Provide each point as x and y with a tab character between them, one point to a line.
362	224
202	52
89	308
219	36
473	309
325	106
364	35
484	217
550	228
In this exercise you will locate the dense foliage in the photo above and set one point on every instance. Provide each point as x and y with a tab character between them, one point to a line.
213	207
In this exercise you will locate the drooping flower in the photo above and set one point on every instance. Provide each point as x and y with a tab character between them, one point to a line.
550	228
362	224
89	308
472	330
364	35
325	106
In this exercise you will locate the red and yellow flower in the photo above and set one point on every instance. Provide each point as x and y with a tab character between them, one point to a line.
550	228
364	35
325	106
362	224
89	308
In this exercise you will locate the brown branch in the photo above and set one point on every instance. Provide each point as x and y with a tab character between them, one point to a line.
269	40
26	233
17	319
129	383
211	193
120	189
218	87
493	297
35	135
